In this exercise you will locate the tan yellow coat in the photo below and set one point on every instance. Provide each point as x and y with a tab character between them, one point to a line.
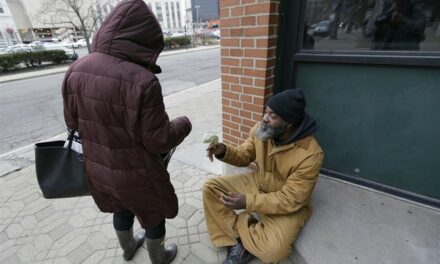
286	174
279	191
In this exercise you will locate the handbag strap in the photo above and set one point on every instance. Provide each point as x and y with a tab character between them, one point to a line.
70	139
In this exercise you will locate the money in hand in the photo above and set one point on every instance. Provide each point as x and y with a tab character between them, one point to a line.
210	139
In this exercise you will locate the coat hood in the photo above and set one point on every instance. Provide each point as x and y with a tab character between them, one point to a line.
306	128
131	32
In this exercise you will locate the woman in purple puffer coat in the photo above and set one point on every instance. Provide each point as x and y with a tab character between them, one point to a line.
114	100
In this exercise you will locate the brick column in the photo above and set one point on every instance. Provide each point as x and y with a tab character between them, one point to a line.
248	42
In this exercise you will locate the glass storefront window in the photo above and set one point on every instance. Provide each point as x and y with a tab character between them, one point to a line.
363	25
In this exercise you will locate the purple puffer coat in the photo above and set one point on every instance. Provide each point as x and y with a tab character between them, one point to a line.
114	100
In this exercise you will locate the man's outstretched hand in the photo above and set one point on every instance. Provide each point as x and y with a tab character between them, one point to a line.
234	200
217	149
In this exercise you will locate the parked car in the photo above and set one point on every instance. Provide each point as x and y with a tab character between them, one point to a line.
71	54
18	48
322	29
71	44
81	43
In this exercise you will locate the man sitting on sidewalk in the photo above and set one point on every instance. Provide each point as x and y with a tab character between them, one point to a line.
288	159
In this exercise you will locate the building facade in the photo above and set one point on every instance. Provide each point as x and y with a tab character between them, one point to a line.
9	34
171	14
374	95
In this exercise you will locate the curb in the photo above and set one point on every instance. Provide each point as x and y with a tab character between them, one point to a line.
40	73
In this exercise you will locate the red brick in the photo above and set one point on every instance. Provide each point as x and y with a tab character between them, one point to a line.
224	32
245	114
224	52
225	3
236	119
261	64
226	130
225	69
236	104
236	71
258	101
266	43
247	1
230	124
265	64
230	110
246	98
248	21
257	116
236	88
257	32
229	42
230	95
253	91
260	83
226	116
256	73
225	86
256	53
236	52
246	81
267	20
237	11
253	108
247	63
230	61
236	32
247	43
226	102
230	139
263	8
230	79
230	22
249	123
245	131
235	133
224	12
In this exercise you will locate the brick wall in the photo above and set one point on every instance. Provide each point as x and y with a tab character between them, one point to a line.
249	37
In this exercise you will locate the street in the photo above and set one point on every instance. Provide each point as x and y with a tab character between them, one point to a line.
32	108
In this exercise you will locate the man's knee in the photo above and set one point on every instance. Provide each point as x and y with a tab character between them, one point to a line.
210	186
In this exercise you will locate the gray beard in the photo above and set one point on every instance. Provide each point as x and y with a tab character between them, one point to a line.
266	132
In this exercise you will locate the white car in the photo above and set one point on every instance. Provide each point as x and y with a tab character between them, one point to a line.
81	43
18	48
57	46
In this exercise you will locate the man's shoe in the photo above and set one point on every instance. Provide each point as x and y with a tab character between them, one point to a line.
238	255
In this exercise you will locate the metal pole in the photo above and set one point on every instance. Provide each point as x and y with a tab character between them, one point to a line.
197	15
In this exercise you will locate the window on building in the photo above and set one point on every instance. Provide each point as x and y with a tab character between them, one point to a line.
1	10
167	12
178	14
372	25
173	14
159	12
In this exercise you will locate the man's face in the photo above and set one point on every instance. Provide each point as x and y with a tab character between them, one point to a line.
272	126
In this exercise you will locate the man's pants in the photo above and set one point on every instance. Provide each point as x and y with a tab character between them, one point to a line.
270	239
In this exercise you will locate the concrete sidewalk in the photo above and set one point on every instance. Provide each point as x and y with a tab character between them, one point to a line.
350	224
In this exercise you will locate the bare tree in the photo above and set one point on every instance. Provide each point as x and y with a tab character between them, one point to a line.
82	14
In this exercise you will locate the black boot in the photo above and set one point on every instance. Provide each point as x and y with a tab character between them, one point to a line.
159	254
238	255
130	243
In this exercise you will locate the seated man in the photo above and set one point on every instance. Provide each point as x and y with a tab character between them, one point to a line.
288	159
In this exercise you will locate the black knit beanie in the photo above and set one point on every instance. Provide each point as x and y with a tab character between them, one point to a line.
289	105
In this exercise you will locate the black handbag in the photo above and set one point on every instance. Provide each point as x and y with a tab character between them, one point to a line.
60	170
